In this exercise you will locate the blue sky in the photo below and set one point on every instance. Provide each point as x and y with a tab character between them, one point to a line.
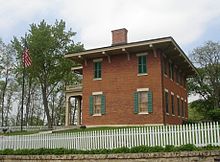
190	23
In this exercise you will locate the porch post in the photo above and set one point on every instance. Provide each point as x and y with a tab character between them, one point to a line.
79	100
67	112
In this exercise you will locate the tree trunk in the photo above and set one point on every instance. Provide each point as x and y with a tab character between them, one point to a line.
46	108
8	107
53	107
3	96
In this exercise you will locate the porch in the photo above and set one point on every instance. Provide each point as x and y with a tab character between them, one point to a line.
73	113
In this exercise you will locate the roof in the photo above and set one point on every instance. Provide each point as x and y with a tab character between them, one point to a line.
166	45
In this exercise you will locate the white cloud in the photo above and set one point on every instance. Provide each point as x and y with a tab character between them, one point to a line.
185	20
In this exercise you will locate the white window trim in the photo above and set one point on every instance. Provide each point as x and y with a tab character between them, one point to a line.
97	93
142	54
98	60
142	74
166	90
181	98
177	96
97	78
141	113
142	89
97	115
172	93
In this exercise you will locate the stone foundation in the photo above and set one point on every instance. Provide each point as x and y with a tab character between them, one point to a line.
200	156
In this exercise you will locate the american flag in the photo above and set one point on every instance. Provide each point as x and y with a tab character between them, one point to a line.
26	58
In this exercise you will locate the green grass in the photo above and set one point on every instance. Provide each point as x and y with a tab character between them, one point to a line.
18	133
92	129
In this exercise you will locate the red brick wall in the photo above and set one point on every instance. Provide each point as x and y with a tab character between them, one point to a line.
118	84
178	90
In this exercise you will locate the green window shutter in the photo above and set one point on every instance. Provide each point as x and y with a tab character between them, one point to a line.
144	64
100	70
95	70
139	65
102	104
150	102
90	105
136	102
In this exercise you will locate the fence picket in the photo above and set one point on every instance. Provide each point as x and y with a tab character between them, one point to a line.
200	134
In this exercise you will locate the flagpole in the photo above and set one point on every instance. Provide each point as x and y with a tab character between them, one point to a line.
23	84
22	95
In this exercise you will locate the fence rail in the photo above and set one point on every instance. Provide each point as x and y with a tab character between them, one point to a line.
198	134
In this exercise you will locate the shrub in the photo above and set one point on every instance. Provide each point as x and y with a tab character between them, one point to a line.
137	149
169	148
187	147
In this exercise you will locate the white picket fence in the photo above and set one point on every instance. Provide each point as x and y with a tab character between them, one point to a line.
198	134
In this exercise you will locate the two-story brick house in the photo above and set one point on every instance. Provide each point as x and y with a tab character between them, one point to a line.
136	83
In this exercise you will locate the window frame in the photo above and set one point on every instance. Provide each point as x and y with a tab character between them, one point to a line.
140	102
165	67
182	106
95	105
142	64
171	71
178	106
166	100
97	70
148	104
172	103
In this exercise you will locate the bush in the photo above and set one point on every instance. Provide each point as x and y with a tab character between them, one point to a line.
137	149
187	147
169	148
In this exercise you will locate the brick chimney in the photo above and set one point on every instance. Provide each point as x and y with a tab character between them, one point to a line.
119	36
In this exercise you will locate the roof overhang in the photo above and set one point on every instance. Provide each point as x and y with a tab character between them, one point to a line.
167	46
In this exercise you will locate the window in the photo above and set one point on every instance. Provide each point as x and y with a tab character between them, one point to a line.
172	103
97	104
177	77
185	112
97	70
182	107
178	105
164	67
171	71
166	95
142	64
143	102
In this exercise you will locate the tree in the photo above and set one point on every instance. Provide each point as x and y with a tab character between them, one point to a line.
48	44
207	83
7	66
